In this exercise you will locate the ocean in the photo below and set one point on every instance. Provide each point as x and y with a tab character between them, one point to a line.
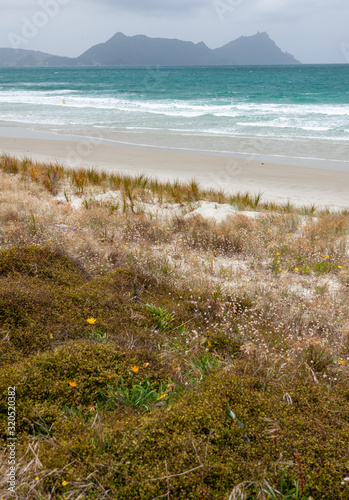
295	112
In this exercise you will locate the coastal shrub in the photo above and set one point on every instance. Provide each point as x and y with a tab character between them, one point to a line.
194	450
42	263
73	375
46	298
199	233
123	400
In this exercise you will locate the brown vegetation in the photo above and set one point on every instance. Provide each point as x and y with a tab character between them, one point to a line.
159	354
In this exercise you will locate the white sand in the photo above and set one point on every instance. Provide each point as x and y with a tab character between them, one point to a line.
277	182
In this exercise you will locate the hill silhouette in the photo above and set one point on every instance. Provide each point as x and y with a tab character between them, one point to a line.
140	50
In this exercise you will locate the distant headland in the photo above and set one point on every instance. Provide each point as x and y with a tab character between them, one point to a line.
140	50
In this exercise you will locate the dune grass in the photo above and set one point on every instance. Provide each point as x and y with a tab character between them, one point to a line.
52	175
170	356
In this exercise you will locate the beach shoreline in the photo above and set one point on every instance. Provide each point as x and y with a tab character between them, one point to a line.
278	182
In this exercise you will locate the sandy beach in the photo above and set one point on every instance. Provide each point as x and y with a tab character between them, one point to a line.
277	182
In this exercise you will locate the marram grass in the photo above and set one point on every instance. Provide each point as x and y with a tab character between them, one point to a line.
53	175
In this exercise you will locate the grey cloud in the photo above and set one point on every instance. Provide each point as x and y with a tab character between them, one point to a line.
15	5
157	6
312	30
253	6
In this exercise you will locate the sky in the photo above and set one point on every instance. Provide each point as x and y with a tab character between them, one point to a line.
314	31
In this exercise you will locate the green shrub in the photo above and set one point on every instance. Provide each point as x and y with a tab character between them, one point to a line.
95	410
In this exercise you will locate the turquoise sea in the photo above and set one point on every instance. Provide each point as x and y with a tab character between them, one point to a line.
279	111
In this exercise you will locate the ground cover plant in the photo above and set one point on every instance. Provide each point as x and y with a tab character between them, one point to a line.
159	353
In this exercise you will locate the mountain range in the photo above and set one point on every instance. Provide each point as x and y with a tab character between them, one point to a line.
140	50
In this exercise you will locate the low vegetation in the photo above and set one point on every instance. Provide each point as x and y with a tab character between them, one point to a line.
157	353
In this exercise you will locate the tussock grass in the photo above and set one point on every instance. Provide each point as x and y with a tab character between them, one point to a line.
133	335
51	176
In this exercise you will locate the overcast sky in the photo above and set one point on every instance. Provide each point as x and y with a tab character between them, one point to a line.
314	31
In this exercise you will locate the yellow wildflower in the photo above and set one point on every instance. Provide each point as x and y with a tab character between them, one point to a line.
64	483
92	321
341	362
72	383
339	267
162	396
278	253
175	367
135	368
296	269
36	479
51	336
209	343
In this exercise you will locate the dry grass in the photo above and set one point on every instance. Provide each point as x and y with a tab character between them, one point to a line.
295	269
275	285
